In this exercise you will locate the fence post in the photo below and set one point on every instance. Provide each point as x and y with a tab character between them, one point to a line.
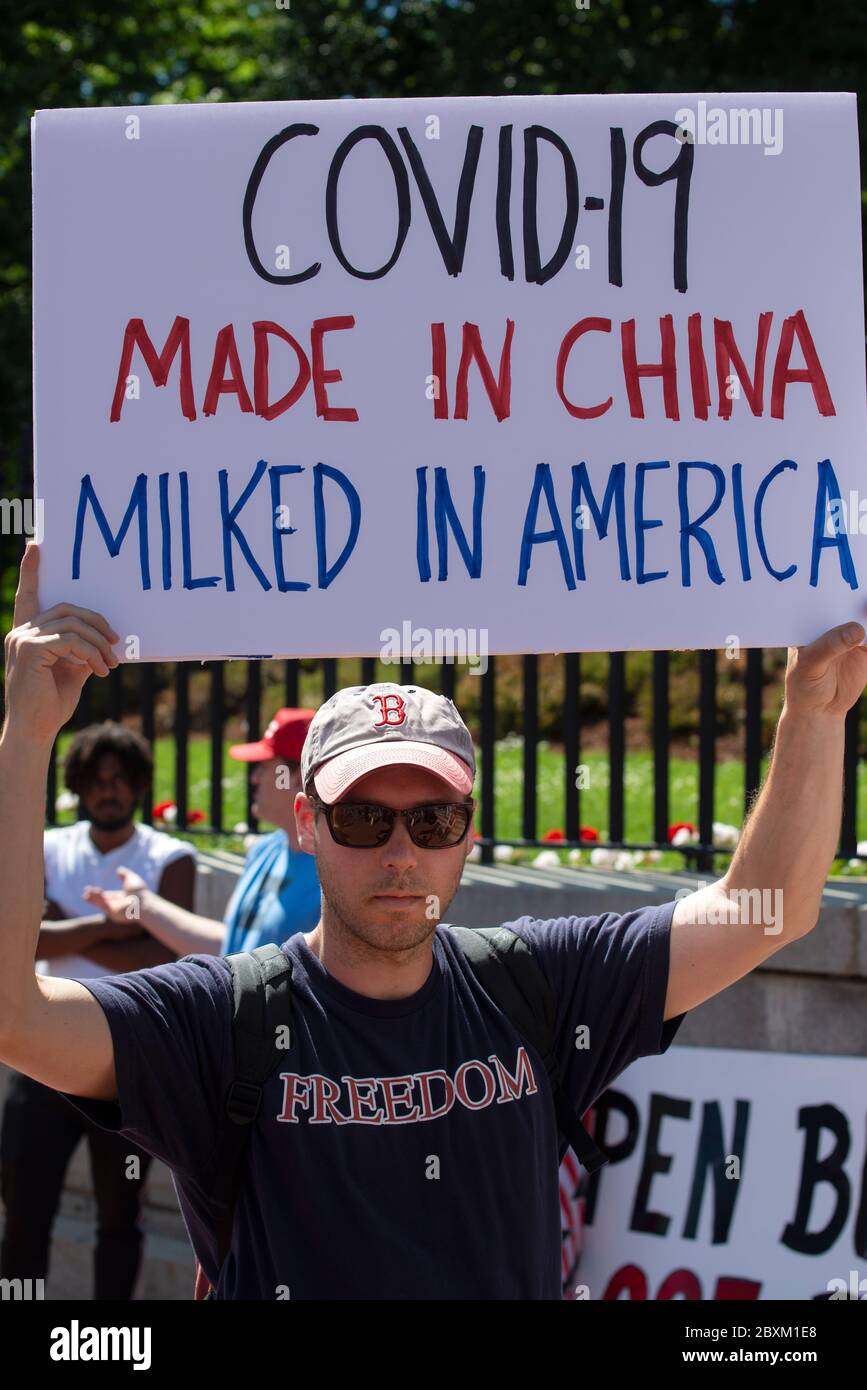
182	723
661	748
753	749
616	745
572	743
254	702
706	755
849	835
531	748
216	722
488	734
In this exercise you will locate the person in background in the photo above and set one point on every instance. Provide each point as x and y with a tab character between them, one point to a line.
109	768
277	893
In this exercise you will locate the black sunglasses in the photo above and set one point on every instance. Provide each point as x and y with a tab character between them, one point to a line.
367	825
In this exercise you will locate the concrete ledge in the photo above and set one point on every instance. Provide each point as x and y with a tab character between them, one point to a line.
498	893
775	1011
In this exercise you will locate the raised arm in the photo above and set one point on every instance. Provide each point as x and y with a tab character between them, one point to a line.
51	1029
772	891
184	932
181	932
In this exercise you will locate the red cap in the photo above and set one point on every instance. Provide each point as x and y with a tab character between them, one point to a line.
283	738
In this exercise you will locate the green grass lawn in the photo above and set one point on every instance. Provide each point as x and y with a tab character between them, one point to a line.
550	802
638	795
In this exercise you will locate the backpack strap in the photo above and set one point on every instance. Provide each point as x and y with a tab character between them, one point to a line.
505	967
262	986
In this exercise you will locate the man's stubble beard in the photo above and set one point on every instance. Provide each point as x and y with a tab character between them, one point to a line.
384	934
112	823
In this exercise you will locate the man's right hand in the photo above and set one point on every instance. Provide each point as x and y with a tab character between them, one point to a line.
120	905
50	655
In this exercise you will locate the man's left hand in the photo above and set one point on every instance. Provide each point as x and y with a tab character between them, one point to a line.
827	676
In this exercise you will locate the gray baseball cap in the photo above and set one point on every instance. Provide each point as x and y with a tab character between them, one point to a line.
364	727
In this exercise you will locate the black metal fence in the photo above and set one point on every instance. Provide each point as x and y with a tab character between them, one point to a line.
132	688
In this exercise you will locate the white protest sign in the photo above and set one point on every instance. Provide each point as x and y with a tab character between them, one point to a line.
733	1175
575	373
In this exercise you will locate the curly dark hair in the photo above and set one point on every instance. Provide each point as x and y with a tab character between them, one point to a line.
132	751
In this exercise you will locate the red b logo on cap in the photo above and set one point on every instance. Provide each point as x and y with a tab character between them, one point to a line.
387	709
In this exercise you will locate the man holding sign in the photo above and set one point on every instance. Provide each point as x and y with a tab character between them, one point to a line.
406	1146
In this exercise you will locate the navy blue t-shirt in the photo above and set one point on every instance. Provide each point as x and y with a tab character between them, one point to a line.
405	1149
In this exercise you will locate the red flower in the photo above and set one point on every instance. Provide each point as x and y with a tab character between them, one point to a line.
588	833
680	825
552	836
194	816
161	808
